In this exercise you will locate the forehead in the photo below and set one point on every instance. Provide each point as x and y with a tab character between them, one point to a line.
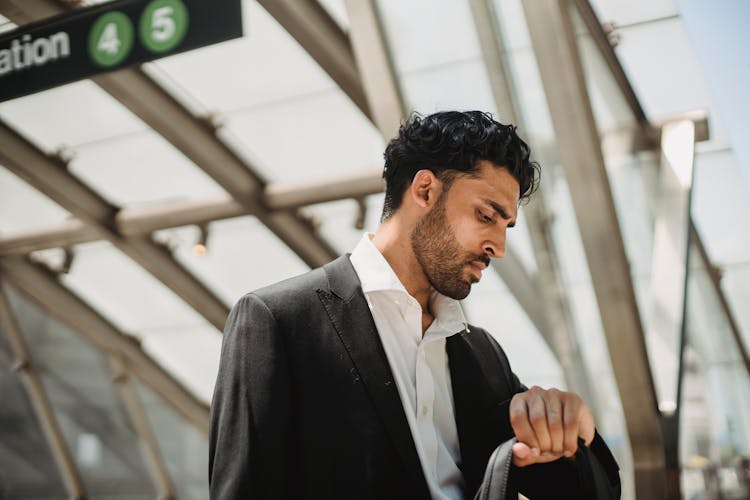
490	182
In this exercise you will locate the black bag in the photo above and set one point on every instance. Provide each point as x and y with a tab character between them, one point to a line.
496	484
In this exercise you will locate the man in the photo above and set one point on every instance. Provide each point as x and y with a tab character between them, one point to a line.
362	379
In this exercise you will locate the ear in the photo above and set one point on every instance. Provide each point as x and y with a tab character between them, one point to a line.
425	188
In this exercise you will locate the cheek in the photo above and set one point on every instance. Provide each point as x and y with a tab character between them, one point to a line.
469	236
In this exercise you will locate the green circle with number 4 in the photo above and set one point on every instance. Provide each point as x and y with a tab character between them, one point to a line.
163	25
110	39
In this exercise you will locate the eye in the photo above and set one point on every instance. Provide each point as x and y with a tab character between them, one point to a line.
484	218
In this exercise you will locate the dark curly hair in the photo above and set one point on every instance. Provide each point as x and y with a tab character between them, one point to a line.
450	143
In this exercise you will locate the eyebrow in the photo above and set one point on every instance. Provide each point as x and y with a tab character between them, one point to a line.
500	210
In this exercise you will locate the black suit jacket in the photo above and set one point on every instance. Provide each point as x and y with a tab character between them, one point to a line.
305	404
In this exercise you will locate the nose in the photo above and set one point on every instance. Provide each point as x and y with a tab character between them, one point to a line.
495	247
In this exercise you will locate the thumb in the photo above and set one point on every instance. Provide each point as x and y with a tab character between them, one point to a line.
522	454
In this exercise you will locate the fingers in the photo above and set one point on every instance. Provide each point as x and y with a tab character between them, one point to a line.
547	424
523	456
570	426
519	420
538	419
554	407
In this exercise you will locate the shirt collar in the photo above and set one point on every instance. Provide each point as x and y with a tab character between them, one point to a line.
376	275
374	272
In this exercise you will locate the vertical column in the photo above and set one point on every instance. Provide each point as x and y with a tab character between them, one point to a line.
137	415
554	44
375	66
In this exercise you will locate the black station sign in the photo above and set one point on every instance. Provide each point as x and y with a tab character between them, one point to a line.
110	36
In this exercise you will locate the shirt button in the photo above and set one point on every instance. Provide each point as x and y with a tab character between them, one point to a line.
425	410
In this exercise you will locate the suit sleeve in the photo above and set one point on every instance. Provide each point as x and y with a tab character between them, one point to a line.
250	408
592	473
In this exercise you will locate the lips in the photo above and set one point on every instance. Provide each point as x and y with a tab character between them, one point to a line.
477	268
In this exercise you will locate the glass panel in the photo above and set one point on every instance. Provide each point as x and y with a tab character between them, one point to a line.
183	447
290	120
715	419
337	10
721	204
91	417
308	138
241	256
610	108
658	58
66	116
736	285
623	11
140	168
457	85
337	220
265	66
23	208
424	44
124	292
491	306
137	303
190	353
27	469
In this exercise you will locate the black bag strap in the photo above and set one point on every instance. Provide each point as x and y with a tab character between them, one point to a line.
496	478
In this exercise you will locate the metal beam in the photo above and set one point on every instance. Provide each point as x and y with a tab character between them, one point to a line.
66	234
608	53
40	285
669	259
376	67
555	321
309	23
39	400
196	139
142	428
357	185
50	176
554	42
142	221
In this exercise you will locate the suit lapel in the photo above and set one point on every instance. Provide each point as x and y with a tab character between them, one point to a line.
348	311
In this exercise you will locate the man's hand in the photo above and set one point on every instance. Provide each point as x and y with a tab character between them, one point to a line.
547	424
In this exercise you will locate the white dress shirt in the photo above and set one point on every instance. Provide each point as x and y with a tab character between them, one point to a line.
419	364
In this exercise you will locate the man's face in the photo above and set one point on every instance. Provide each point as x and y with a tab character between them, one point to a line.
465	228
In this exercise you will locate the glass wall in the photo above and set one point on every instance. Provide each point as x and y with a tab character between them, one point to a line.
106	450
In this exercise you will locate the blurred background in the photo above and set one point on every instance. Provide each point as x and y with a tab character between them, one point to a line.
137	206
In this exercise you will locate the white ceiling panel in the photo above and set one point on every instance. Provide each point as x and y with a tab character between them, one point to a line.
124	292
308	138
426	33
265	66
242	255
70	115
461	85
190	353
141	168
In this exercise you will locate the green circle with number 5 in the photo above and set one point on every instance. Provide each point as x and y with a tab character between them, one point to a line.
163	25
110	39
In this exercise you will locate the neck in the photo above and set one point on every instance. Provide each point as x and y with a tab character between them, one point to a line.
394	242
